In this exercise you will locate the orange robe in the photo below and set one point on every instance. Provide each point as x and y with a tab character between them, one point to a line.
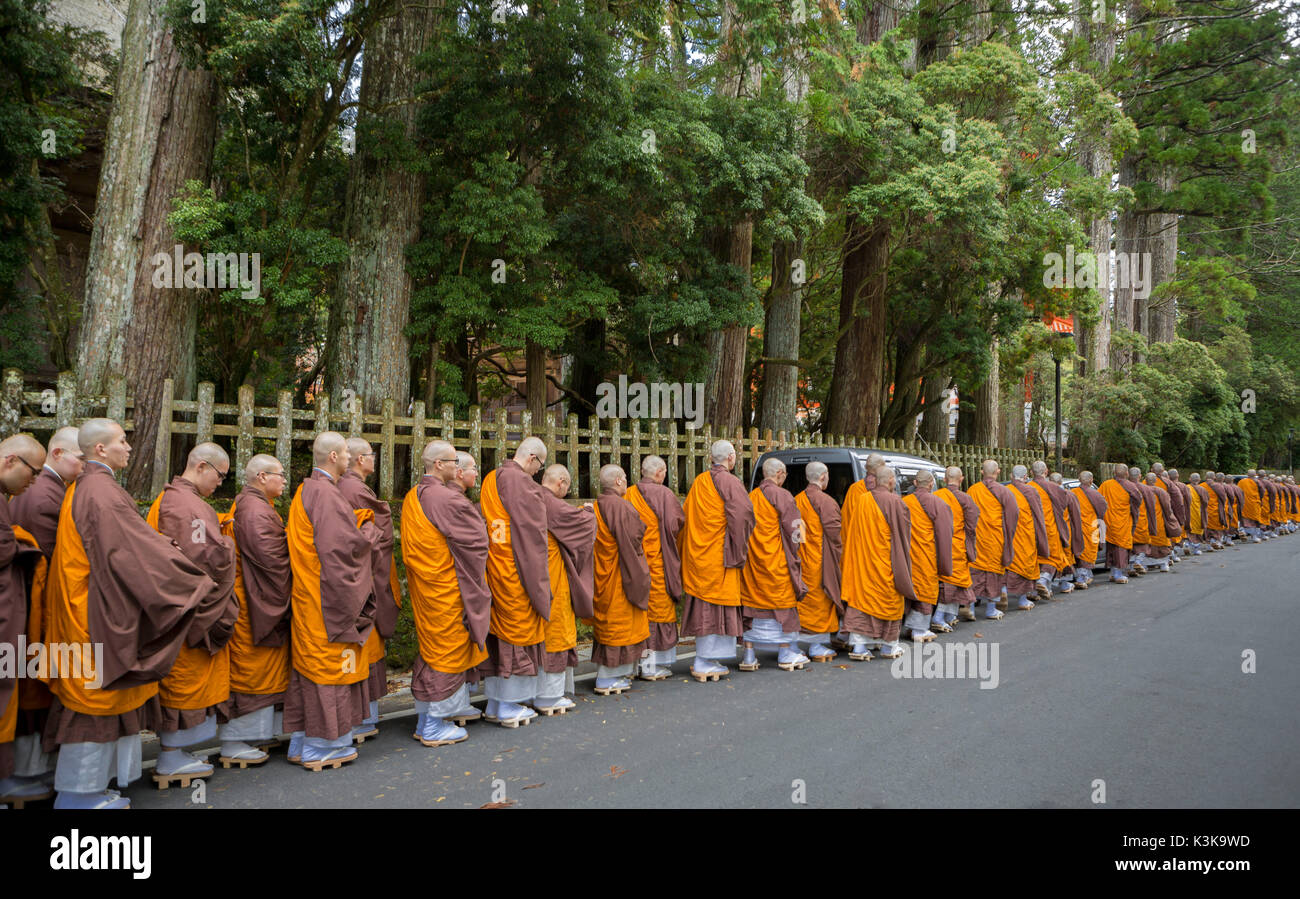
330	552
820	553
1031	533
259	648
1119	517
621	624
1058	533
1212	509
995	529
772	578
1090	525
516	566
932	541
570	541
440	577
660	545
877	576
200	679
1250	507
712	560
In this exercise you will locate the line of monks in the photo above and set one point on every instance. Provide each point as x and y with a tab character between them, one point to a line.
240	626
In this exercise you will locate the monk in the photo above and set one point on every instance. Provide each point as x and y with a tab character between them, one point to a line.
955	593
1141	494
36	511
771	583
1185	547
445	548
1251	516
259	647
331	552
1024	576
570	542
388	589
147	593
869	466
1072	540
821	552
877	576
713	544
195	694
1269	507
1198	511
1164	481
21	458
1092	513
514	507
1055	567
466	473
1163	525
995	532
661	512
621	624
931	554
1121	518
1217	527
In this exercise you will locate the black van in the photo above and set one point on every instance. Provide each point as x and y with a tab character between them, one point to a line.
846	465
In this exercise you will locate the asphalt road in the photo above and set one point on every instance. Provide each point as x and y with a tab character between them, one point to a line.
1140	687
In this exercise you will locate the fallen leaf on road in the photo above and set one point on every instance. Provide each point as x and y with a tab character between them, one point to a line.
616	771
845	667
534	786
978	634
503	804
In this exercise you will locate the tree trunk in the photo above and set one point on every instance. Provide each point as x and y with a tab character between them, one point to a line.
160	135
934	422
781	321
535	381
1162	314
725	400
858	375
1093	341
979	425
370	353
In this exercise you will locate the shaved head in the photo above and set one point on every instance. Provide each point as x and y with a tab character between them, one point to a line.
772	468
953	476
210	453
63	454
265	473
651	466
329	453
817	473
21	458
1039	468
531	455
1020	473
1173	474
1085	478
465	462
924	480
885	476
1135	473
990	469
1121	472
721	451
357	446
1195	478
613	479
1250	473
433	451
1056	477
96	431
556	480
1151	477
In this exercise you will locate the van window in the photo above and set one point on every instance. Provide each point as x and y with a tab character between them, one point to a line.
841	478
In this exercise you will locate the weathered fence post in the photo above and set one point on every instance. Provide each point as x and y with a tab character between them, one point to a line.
162	445
11	406
116	400
417	442
388	458
65	413
244	442
207	397
284	431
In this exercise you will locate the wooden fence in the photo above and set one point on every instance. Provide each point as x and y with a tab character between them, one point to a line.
248	428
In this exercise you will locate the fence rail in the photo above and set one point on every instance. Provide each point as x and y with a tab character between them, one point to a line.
248	428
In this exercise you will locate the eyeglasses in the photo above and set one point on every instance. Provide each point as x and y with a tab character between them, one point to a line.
30	467
221	475
445	459
363	455
277	474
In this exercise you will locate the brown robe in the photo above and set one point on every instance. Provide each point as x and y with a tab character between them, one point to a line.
461	525
180	509
1016	582
268	583
940	516
525	504
628	530
143	597
787	513
1176	502
832	543
899	520
574	530
360	496
700	616
1065	525
16	563
36	509
668	512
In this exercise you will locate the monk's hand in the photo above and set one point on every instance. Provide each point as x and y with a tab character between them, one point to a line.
589	507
